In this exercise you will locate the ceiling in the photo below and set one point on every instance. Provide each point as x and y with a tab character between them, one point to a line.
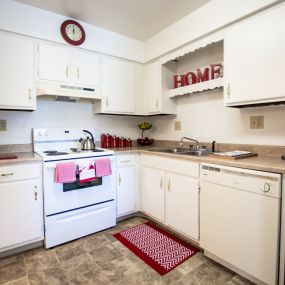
138	19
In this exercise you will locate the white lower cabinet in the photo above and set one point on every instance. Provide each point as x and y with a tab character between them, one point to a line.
127	185
170	193
21	205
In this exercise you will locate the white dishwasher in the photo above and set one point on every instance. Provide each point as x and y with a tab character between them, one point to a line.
240	220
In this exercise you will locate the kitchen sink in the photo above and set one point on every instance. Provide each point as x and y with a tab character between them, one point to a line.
183	151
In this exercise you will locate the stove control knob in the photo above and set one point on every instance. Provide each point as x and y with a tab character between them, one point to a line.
266	187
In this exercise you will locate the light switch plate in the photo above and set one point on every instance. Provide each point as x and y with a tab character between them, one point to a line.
3	125
177	125
257	122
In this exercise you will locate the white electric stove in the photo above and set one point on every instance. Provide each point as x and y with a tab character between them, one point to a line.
73	210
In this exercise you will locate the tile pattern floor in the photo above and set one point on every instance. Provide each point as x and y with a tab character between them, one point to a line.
101	259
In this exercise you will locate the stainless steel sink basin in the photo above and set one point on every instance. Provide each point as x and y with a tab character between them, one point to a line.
183	151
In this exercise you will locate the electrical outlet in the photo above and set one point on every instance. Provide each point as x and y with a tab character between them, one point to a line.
177	125
3	125
257	122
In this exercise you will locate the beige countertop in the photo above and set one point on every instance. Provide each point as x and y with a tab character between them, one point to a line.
22	157
263	163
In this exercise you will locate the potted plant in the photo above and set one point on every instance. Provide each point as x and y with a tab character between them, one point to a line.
145	141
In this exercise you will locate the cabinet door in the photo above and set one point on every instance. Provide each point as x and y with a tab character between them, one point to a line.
118	85
153	87
182	204
152	191
126	190
254	59
17	72
54	62
21	215
87	68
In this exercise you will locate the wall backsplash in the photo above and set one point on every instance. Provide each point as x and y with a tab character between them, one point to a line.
63	114
205	118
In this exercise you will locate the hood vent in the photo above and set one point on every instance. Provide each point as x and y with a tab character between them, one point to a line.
59	91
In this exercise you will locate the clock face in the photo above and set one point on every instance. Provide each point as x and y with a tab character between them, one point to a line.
72	32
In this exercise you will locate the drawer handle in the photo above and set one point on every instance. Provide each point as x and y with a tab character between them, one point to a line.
126	161
120	180
168	186
161	183
7	174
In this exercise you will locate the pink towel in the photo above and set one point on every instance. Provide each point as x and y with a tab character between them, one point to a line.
103	167
65	172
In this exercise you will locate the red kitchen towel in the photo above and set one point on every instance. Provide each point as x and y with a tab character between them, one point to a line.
103	167
65	172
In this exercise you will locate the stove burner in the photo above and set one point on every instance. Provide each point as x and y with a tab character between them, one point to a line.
82	150
54	152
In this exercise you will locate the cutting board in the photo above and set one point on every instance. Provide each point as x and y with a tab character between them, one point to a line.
8	156
232	157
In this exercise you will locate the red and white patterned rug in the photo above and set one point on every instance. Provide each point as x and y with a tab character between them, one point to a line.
159	249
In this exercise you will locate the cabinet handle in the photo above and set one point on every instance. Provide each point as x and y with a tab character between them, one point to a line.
120	180
107	102
125	161
156	103
30	94
168	185
78	73
6	174
66	72
229	90
36	193
161	183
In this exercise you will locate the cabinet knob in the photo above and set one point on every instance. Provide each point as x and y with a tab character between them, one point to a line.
6	174
266	187
229	90
120	180
36	193
168	185
161	183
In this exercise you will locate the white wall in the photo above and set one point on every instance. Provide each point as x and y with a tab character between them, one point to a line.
63	114
27	20
204	117
210	17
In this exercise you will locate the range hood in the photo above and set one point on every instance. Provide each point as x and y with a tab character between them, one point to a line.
58	90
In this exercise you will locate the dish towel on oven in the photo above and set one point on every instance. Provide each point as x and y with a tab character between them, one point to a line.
103	167
86	171
65	172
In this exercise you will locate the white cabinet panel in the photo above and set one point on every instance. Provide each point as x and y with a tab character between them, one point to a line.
152	187
87	68
54	62
254	59
17	72
181	204
118	85
21	216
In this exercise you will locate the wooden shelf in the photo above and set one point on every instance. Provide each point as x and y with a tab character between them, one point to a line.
198	87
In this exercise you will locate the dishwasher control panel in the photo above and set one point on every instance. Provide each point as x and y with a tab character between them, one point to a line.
258	182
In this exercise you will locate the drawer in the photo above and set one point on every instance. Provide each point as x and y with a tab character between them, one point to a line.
125	160
20	172
174	165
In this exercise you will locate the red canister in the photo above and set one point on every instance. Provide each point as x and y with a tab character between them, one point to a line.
112	140
103	140
115	141
130	142
127	143
108	142
121	142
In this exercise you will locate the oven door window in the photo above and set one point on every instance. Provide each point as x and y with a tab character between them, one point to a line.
76	185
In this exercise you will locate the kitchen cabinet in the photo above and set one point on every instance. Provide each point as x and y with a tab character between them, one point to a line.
21	205
158	79
127	184
152	192
62	64
254	59
118	87
17	72
170	193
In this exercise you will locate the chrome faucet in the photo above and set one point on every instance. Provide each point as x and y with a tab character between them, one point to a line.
185	138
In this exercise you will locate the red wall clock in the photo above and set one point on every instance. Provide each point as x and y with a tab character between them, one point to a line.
72	32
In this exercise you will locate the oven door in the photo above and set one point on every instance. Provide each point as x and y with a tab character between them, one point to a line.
59	199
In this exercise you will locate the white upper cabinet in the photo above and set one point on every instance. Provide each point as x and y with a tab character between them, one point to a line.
87	68
118	86
254	59
17	72
157	80
58	63
54	62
